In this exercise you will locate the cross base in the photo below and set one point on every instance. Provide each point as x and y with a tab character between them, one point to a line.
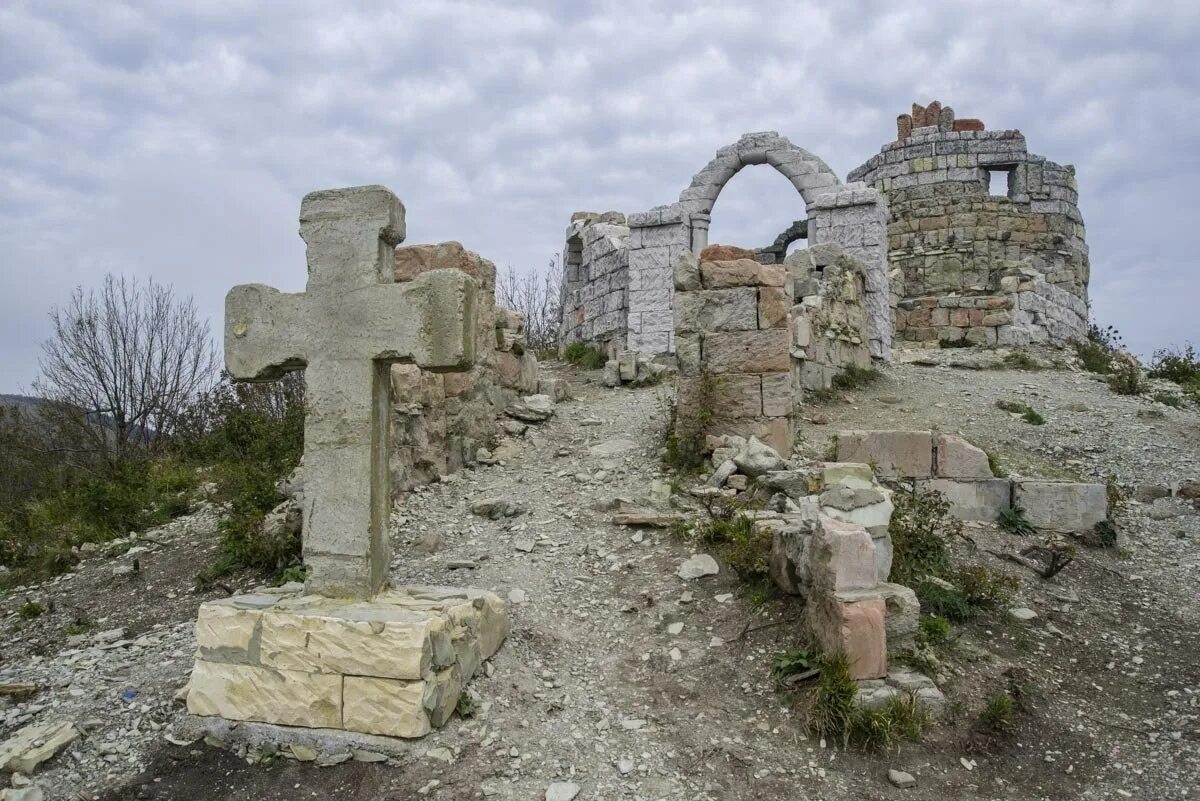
393	665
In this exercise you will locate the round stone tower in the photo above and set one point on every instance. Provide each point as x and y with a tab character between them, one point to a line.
985	240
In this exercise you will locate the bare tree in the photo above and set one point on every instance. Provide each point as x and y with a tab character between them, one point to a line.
123	364
537	295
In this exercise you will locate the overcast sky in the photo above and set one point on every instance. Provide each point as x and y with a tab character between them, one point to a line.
175	139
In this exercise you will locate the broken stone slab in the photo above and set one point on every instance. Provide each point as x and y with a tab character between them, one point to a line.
796	484
982	499
34	744
722	473
895	454
698	566
686	272
902	617
757	458
646	517
1061	505
957	458
901	779
556	388
848	474
496	508
612	374
531	409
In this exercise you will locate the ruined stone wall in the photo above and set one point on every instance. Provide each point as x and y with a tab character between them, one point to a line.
829	324
610	290
732	343
985	239
440	420
595	300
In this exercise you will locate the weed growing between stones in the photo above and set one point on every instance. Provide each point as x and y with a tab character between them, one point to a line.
734	538
30	610
994	726
688	427
1013	521
855	377
793	662
961	342
1180	366
585	356
1028	413
920	527
995	466
933	630
834	714
1126	377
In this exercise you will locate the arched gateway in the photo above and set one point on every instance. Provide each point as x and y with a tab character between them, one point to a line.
618	289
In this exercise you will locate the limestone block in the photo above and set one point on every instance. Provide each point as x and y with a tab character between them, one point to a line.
388	707
981	500
556	388
627	364
508	370
904	454
902	612
686	274
527	383
957	458
777	399
687	352
773	306
852	623
747	351
870	508
847	474
774	431
447	687
788	563
742	272
725	253
717	310
227	633
411	261
737	396
1061	505
385	642
841	556
481	612
246	692
35	743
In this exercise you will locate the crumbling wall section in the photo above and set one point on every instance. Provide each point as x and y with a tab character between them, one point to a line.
440	420
732	345
595	291
829	319
986	244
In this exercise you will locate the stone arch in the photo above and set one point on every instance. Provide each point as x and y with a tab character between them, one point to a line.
807	173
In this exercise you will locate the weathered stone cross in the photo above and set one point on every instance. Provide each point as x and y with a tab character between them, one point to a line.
345	330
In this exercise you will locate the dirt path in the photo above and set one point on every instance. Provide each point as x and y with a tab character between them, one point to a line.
592	687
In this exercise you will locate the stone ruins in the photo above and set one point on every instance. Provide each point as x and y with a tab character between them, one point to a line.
409	365
345	651
965	237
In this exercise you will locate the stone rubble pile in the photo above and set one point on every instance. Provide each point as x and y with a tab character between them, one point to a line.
634	369
393	665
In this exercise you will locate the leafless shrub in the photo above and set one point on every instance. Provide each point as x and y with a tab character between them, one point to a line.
538	295
123	364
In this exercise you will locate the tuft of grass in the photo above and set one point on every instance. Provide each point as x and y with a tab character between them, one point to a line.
995	724
1018	360
854	377
1011	406
30	609
466	706
737	541
585	356
834	713
1127	377
1033	417
994	465
945	602
1106	534
985	587
1013	521
934	630
1097	351
961	342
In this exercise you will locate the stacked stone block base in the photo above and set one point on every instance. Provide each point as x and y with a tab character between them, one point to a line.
393	665
960	472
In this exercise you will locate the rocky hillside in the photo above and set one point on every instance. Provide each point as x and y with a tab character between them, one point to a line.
622	679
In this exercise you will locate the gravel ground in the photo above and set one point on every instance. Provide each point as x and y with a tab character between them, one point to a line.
591	687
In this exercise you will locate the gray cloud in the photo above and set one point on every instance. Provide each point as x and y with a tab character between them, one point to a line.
177	142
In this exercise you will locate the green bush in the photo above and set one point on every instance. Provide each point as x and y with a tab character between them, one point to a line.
1097	351
1028	413
735	539
1126	377
1179	365
792	662
984	587
945	602
919	528
251	436
1018	360
934	630
586	356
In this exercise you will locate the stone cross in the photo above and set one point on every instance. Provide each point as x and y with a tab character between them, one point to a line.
344	331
